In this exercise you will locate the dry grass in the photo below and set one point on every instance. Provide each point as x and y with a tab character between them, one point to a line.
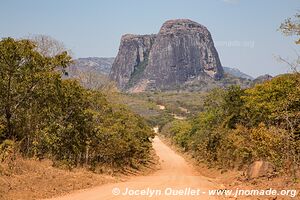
29	179
32	179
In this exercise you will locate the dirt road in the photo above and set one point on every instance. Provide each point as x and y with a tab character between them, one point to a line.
176	179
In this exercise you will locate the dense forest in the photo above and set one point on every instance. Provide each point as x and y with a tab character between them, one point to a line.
45	116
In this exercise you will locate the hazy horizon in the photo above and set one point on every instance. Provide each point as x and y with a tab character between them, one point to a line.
245	33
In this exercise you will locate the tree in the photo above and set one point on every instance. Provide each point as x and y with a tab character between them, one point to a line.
48	46
21	70
233	104
47	116
292	27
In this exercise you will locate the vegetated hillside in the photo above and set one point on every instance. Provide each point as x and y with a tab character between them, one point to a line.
261	79
147	104
239	126
96	64
185	102
207	84
91	72
236	72
44	116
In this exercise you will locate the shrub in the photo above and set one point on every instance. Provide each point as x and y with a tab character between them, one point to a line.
240	126
59	119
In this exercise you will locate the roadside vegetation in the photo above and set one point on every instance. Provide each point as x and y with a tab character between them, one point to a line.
239	126
43	116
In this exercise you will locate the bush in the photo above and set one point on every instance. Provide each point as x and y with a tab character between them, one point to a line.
239	126
59	119
242	146
180	131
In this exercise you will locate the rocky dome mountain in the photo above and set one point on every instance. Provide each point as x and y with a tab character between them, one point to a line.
181	52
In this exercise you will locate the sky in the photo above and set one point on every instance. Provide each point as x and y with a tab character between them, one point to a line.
245	32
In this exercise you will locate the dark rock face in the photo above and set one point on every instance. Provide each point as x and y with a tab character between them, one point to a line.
183	50
133	52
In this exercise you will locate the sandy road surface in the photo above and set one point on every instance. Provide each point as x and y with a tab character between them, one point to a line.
175	174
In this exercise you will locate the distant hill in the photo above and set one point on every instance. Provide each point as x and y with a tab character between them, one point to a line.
236	72
262	78
96	64
92	72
